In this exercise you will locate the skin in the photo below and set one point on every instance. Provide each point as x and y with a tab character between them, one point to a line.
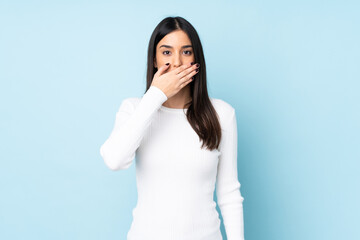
176	56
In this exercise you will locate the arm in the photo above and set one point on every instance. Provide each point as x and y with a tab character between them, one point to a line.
227	185
118	151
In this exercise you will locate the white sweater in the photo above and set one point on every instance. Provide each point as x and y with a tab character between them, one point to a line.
175	178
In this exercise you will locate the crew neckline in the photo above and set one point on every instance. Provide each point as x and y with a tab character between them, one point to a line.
175	110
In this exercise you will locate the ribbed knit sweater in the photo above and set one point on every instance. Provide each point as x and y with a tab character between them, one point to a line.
175	177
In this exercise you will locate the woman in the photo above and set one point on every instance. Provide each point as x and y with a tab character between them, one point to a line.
185	145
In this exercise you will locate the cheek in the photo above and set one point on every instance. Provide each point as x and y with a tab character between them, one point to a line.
160	60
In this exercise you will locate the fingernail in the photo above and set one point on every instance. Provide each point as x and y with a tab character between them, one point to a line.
192	63
167	64
196	70
198	65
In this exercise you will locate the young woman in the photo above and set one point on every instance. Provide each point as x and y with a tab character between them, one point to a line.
185	144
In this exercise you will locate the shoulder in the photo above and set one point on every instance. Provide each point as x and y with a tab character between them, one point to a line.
224	110
221	104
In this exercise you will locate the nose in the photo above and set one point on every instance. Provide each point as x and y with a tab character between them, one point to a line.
177	61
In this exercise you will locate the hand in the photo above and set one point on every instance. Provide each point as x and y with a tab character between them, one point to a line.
172	82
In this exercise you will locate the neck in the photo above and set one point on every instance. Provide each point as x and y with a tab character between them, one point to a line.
180	99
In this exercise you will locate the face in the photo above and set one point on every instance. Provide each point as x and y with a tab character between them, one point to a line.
175	48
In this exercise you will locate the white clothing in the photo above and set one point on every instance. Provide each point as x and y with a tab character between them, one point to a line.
175	178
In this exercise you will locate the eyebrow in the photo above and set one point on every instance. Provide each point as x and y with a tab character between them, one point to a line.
167	46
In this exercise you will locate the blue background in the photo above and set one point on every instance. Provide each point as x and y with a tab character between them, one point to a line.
290	68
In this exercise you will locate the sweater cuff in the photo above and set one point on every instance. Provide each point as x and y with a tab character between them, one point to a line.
157	93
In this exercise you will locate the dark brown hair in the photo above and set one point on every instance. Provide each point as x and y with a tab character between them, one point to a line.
201	114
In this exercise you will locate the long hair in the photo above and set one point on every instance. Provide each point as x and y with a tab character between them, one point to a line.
201	114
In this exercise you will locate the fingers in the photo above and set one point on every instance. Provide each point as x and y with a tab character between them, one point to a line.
189	72
188	78
182	68
186	82
162	69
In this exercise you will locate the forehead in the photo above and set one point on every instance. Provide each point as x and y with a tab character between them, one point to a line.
176	38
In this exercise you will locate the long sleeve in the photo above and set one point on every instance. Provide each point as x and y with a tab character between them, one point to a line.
118	151
227	185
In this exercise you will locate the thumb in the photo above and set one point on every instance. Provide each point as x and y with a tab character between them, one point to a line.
162	69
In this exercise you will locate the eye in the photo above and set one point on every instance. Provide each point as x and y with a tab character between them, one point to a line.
165	51
188	52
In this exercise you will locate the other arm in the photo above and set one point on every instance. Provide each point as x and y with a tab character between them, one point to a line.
227	185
